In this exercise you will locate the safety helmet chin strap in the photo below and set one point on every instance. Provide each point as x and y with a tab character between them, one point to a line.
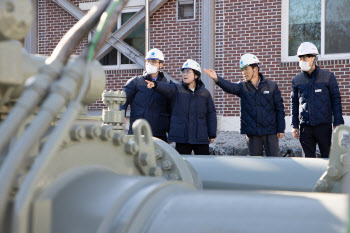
314	62
252	76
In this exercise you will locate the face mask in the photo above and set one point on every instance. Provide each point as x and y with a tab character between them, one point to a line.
151	69
304	65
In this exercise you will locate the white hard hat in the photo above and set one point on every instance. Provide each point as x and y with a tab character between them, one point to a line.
248	59
155	54
307	48
190	64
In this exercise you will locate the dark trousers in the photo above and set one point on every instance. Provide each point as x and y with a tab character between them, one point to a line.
257	144
312	135
198	149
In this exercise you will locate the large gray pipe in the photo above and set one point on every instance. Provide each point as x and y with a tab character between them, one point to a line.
94	199
252	173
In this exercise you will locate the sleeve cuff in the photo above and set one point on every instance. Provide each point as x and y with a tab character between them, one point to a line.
155	85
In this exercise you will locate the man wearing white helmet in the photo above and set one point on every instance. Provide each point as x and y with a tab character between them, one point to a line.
262	109
316	102
193	119
146	103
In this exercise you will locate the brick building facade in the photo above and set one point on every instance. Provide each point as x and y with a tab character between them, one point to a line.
241	26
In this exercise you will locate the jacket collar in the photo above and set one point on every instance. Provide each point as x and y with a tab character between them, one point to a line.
199	85
313	74
261	82
161	77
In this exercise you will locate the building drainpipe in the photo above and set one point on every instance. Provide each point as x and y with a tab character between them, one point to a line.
208	42
147	26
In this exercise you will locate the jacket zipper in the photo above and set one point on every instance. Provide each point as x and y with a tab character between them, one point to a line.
308	99
256	106
189	114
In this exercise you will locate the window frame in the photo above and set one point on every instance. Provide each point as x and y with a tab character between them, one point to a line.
132	6
194	12
285	34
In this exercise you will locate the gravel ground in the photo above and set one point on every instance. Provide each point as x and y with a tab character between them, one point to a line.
234	143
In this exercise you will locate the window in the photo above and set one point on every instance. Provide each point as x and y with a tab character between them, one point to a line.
136	39
114	59
326	23
185	9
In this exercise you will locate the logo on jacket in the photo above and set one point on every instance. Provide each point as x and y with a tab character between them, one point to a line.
318	90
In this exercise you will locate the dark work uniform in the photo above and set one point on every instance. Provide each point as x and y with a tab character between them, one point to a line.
193	118
316	103
262	113
148	104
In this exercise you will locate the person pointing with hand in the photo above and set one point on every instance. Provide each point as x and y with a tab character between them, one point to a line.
193	120
262	108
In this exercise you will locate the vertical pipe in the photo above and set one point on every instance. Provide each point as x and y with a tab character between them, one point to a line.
147	27
208	41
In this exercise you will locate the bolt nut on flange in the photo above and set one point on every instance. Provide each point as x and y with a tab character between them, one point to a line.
322	185
345	159
93	131
174	177
155	171
333	172
167	165
131	147
143	159
119	139
77	133
107	133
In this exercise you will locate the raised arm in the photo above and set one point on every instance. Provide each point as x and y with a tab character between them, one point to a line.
231	88
167	90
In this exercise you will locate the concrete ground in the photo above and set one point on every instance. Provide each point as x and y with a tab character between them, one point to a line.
234	143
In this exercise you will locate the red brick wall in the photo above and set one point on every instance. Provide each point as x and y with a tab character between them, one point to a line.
178	40
53	23
242	26
246	26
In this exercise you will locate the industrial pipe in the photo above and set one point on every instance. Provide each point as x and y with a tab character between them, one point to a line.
93	199
252	173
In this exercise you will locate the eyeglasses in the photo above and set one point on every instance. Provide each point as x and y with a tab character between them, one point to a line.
302	57
152	62
186	71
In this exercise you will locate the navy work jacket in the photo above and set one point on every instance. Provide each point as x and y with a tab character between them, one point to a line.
316	99
262	109
148	104
193	118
